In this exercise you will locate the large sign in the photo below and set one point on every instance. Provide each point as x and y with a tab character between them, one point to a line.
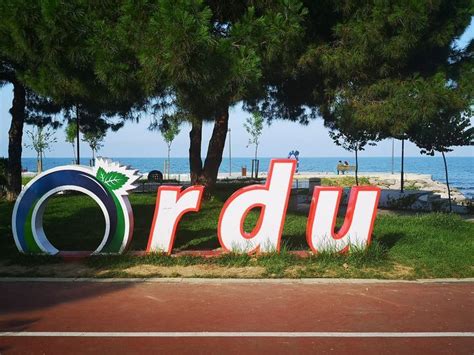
107	183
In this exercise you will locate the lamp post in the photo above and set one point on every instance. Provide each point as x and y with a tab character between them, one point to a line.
393	152
402	177
230	154
77	137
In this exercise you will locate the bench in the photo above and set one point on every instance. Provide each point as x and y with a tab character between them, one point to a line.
343	168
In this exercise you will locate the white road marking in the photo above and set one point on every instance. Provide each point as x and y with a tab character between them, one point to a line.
242	334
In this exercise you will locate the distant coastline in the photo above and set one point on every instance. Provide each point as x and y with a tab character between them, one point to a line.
461	169
265	157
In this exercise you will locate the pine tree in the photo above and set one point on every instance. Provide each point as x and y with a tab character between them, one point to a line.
441	133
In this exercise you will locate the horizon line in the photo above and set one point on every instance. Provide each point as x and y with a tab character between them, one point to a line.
266	157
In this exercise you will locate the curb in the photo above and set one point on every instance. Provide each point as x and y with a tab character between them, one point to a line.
236	281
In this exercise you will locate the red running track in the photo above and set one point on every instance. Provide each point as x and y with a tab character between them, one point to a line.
381	317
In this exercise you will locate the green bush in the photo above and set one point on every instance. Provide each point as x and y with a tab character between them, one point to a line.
345	181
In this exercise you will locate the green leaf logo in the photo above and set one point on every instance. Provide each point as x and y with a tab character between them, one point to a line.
101	174
112	180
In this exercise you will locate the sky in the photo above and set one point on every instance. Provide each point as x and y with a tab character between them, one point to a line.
281	137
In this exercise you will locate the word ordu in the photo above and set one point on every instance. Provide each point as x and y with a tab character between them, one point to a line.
107	183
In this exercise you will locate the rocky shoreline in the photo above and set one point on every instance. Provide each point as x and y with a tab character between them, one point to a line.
421	192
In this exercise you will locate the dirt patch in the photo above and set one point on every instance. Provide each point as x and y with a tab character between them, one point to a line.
295	271
402	271
331	273
66	270
397	271
305	271
51	270
147	270
195	271
15	270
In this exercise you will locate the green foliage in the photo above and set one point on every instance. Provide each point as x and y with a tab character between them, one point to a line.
379	40
443	131
410	186
402	202
169	128
170	134
254	127
112	180
71	133
345	181
94	124
40	111
390	65
41	140
47	46
198	55
50	45
94	138
371	69
449	126
350	135
393	107
26	179
346	131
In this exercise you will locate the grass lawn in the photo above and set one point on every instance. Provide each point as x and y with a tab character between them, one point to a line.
404	246
26	179
344	181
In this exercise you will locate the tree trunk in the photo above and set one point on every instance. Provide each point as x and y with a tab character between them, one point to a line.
15	135
195	161
357	168
207	175
168	165
447	182
74	152
77	136
402	175
215	150
230	153
39	163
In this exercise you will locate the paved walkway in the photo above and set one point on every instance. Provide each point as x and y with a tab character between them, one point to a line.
237	317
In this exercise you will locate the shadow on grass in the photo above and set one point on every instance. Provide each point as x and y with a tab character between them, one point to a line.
202	239
74	229
296	241
389	240
7	245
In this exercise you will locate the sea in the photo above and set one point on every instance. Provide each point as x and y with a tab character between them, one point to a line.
460	169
